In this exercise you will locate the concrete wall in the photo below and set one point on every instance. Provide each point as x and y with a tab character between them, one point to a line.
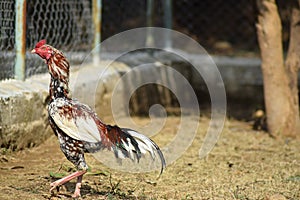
23	114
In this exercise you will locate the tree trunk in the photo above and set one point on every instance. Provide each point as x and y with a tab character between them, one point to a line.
279	95
292	66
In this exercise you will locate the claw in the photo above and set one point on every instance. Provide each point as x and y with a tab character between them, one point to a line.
77	188
53	186
76	194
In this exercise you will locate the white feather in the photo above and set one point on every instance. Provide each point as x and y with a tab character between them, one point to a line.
120	154
87	129
78	127
129	148
145	144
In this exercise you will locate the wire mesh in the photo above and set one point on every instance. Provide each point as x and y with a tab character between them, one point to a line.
67	25
118	16
217	25
7	26
226	28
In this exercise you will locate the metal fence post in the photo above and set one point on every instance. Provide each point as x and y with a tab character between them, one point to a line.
20	39
149	36
97	16
168	22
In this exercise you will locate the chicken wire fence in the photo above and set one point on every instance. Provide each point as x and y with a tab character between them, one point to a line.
7	18
65	24
222	27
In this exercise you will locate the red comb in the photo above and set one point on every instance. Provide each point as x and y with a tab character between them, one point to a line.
40	43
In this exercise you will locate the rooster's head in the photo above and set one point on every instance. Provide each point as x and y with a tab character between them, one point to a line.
43	50
58	65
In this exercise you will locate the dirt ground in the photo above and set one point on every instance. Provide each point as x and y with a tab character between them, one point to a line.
245	164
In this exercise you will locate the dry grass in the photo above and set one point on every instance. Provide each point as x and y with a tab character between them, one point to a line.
244	164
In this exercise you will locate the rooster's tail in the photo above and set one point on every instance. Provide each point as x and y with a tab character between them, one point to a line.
131	144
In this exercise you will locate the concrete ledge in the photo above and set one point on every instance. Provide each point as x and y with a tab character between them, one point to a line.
242	78
23	114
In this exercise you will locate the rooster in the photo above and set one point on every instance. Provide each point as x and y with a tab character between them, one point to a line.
79	129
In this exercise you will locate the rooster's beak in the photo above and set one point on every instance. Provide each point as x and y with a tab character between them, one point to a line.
33	51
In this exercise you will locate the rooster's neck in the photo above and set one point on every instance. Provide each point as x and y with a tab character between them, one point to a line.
58	67
58	89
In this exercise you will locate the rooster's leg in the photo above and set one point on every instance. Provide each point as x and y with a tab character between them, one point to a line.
61	181
78	186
